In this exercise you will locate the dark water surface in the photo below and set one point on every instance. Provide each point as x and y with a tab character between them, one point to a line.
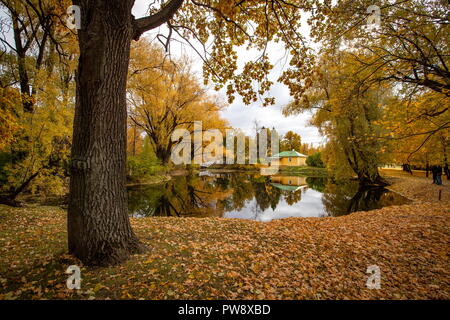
252	196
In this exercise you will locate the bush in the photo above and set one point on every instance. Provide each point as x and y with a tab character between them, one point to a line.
315	160
140	168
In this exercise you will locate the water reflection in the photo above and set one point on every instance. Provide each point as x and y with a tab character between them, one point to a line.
252	196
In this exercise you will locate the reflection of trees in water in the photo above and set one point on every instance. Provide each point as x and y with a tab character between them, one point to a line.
366	199
275	197
182	195
223	182
142	201
185	195
242	191
206	195
164	208
316	183
344	198
336	198
266	195
292	197
262	195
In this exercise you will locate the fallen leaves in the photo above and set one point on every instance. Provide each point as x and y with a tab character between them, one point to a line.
214	258
417	187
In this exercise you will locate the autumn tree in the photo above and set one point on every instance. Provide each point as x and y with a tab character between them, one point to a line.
406	53
290	141
410	45
346	113
9	123
98	226
418	123
315	160
35	34
167	96
37	69
310	149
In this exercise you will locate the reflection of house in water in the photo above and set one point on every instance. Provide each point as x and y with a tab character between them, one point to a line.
205	173
288	183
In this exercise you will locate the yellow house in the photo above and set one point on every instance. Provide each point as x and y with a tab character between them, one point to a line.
288	158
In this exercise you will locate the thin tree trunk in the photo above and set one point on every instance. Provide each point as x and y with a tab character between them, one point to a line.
134	140
24	80
99	230
10	199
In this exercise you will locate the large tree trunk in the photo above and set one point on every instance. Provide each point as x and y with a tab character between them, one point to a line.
375	179
366	171
99	230
163	154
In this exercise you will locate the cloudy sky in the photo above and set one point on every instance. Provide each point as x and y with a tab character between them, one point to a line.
238	114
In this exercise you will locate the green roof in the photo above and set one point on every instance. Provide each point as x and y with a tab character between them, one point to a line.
285	188
292	153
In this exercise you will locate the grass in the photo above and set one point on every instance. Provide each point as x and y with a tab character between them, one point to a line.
150	179
305	171
235	167
298	171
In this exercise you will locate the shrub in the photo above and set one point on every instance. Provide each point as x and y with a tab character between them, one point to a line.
140	168
315	160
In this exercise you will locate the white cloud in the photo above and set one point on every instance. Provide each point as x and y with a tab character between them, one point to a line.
242	116
238	114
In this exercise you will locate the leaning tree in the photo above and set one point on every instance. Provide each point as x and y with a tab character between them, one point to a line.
99	230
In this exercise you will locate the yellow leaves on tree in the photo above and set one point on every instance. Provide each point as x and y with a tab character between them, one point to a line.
9	124
164	95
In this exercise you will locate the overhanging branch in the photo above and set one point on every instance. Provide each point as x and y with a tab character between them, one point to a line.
164	15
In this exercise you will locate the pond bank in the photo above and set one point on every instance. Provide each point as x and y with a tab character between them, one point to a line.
155	179
216	258
295	170
416	187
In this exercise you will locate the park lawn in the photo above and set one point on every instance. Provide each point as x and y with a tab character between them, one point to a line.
304	171
216	258
294	170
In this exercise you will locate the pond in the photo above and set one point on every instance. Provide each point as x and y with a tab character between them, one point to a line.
252	196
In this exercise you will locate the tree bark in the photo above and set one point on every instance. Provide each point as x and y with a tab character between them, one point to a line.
163	154
99	230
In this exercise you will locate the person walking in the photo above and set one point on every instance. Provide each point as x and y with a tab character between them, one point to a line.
434	171
438	175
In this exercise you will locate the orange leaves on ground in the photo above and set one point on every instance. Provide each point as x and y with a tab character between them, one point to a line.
215	258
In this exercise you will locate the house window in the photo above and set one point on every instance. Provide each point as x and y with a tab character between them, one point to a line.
290	159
